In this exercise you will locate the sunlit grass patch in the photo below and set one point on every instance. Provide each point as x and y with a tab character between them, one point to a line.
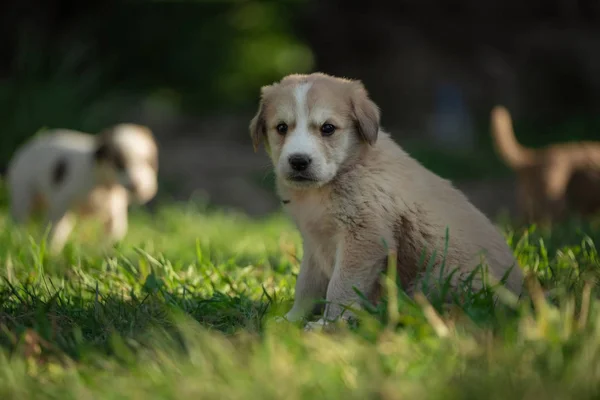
183	308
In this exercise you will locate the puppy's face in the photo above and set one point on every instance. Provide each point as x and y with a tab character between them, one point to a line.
313	125
127	155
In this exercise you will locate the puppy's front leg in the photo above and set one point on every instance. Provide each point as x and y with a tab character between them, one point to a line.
311	285
117	223
357	265
60	231
116	227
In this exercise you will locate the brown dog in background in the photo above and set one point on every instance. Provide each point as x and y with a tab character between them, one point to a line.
551	181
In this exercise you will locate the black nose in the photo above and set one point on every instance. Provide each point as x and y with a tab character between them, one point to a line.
299	162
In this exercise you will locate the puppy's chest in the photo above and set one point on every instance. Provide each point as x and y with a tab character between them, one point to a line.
97	202
320	230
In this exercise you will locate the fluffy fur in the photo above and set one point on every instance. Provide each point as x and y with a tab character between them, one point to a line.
65	174
351	190
551	181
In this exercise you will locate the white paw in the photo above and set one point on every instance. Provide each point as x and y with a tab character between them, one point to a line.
315	326
280	319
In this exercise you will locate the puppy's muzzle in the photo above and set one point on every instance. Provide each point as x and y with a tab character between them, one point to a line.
299	162
300	168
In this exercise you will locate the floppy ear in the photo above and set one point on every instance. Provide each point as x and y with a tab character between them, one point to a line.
102	151
257	127
366	114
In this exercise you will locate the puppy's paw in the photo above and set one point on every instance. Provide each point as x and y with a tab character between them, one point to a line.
279	319
315	326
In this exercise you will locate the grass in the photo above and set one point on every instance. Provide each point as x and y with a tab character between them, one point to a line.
183	309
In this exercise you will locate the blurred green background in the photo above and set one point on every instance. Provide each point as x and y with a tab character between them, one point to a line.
191	70
79	64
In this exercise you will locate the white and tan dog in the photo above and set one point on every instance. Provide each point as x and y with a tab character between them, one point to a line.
66	173
351	190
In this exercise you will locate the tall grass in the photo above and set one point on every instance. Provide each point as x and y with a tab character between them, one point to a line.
183	308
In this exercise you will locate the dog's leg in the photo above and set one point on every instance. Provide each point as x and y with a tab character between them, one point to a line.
117	224
116	227
357	266
311	285
21	204
526	204
556	180
60	231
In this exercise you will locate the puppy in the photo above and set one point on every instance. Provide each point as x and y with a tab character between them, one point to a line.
550	181
66	174
355	194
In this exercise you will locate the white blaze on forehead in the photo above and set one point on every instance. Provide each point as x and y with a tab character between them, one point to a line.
300	140
300	96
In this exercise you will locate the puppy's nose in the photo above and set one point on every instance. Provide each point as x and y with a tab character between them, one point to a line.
299	162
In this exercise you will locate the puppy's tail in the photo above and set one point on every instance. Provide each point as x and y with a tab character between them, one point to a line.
510	150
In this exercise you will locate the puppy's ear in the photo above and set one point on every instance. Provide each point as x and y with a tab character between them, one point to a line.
102	152
366	114
258	127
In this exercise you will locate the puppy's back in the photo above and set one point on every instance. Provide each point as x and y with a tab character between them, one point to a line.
37	156
432	204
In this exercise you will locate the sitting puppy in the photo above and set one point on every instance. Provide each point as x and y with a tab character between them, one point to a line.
553	180
67	173
354	194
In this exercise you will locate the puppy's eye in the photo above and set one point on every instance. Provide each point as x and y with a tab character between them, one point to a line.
327	129
282	129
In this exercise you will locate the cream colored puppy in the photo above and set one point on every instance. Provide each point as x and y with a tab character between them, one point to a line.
66	173
351	190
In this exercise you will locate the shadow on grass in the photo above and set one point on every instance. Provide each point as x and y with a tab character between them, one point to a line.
77	320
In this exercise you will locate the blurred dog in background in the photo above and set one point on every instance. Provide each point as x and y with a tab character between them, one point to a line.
551	181
65	174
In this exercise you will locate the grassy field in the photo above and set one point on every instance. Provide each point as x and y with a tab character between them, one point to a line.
183	309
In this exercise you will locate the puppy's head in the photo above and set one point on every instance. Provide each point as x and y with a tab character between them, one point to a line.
313	125
127	154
